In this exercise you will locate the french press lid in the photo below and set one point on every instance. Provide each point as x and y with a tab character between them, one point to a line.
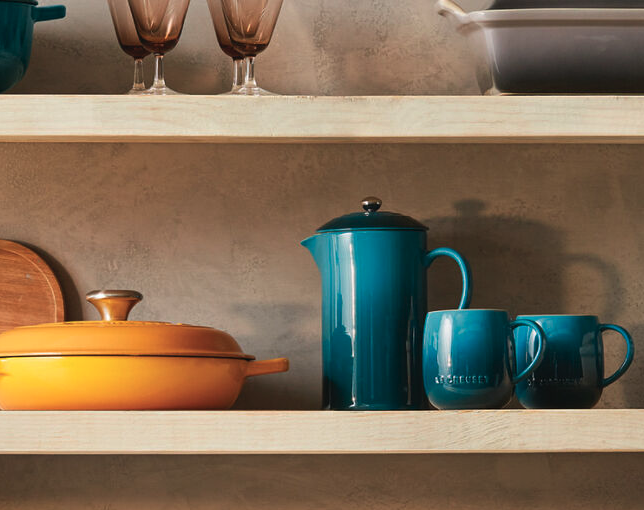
372	218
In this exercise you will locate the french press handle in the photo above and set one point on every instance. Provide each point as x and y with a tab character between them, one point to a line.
466	272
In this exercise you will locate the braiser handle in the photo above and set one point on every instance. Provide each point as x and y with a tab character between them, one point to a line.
268	366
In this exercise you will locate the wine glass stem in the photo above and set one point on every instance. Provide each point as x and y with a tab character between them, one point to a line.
249	74
159	74
238	72
139	82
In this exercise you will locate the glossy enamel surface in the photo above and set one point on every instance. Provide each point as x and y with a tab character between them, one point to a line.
115	335
572	373
16	30
373	306
468	358
130	338
119	364
125	382
372	218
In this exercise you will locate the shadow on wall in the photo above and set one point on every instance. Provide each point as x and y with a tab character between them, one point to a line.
59	65
520	265
71	297
267	393
53	56
275	325
517	264
632	391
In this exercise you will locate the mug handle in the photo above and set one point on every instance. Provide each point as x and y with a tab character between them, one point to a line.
541	349
466	273
630	351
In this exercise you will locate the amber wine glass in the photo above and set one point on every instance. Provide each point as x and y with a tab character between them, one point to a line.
250	27
129	40
159	24
219	22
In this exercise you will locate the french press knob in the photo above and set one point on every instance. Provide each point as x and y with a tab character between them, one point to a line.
371	204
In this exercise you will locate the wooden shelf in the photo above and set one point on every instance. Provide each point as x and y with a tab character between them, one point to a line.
296	432
289	119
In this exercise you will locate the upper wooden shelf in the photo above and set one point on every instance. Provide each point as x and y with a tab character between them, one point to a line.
289	432
288	119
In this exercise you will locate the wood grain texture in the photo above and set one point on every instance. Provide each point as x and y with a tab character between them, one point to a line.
263	432
29	291
288	119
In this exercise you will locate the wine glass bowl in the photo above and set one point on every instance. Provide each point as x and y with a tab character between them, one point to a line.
251	23
129	40
221	30
159	24
250	26
223	38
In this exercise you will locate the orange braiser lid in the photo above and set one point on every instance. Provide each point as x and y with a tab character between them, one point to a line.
114	335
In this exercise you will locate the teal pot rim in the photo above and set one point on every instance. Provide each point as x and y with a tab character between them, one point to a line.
469	310
368	229
557	315
29	2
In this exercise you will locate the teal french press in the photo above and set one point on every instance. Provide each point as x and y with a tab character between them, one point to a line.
373	266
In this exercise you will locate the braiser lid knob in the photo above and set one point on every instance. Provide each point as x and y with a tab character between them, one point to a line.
114	305
371	204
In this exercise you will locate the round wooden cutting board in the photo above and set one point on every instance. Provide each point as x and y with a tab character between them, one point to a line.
29	291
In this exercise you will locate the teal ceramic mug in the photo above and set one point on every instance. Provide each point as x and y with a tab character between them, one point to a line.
571	375
468	358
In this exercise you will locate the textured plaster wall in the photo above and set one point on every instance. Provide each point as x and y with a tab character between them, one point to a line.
210	235
445	482
329	47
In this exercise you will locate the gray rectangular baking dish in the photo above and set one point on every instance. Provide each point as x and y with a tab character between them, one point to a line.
560	50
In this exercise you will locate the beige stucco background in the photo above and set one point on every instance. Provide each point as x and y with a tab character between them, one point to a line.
210	234
329	47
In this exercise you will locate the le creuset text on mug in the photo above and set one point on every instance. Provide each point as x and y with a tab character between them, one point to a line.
468	358
572	372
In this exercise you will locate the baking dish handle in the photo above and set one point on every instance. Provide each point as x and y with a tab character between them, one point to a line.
269	366
451	8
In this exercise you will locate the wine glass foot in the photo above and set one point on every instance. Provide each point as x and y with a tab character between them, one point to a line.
136	92
252	91
161	91
232	92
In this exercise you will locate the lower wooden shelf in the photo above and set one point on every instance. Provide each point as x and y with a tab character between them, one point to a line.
327	432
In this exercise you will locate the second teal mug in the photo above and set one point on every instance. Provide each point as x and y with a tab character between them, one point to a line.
468	358
572	373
